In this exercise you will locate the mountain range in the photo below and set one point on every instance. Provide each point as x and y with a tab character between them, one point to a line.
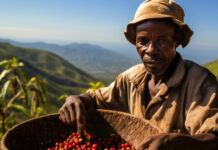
93	59
60	76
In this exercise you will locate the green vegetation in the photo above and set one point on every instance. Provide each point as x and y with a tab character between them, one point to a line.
93	86
19	94
21	97
97	61
59	75
20	90
213	67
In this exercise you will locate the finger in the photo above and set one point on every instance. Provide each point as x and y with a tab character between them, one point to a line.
71	109
62	117
80	118
84	116
67	115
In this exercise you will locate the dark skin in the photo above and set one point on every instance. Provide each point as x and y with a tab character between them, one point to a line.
156	46
74	110
156	43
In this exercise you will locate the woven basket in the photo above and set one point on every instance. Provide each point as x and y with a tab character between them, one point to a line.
41	132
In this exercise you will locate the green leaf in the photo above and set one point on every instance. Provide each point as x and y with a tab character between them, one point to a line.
39	111
33	105
4	62
92	84
14	62
4	89
33	79
4	73
7	65
20	64
25	92
43	100
97	84
23	74
42	86
64	96
102	85
21	108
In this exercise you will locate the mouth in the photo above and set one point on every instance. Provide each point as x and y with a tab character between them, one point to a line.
152	63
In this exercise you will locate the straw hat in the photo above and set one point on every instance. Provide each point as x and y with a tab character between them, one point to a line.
158	9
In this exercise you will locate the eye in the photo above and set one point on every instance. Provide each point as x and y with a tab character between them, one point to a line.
142	40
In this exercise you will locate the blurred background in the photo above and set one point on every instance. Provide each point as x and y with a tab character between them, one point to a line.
68	46
102	23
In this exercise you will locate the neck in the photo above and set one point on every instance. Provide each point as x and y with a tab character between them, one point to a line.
166	75
156	79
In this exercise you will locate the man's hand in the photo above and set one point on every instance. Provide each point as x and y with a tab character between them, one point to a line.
74	110
173	141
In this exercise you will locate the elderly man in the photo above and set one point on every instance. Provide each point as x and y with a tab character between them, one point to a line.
177	95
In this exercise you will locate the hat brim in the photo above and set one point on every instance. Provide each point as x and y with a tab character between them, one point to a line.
130	32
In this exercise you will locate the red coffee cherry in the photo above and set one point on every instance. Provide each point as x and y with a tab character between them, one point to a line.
91	142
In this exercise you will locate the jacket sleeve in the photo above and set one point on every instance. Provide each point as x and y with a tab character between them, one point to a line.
113	97
202	111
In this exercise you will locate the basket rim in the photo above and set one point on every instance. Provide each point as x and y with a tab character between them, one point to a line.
2	144
131	115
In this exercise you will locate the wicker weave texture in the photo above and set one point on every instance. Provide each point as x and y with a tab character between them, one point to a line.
41	132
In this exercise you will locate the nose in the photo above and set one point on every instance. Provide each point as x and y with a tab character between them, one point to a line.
150	48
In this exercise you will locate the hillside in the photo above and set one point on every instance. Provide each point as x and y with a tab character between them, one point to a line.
213	67
60	76
97	61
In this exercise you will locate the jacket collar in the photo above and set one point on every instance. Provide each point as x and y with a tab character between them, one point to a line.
174	80
178	74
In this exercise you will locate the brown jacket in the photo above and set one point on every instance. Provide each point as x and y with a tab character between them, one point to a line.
187	103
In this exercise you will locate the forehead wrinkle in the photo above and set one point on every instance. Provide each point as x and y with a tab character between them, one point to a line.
153	34
154	26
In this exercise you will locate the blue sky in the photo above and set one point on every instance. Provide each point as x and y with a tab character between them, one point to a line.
96	21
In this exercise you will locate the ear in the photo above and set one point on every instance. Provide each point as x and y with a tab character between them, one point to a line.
178	38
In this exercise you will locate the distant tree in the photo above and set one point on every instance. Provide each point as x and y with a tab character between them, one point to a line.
18	92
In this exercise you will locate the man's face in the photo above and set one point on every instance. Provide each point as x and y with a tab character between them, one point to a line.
156	45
